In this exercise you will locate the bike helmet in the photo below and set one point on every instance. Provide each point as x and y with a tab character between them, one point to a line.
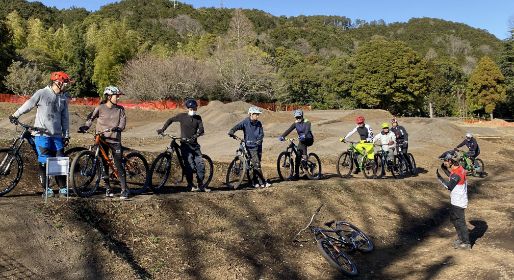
449	156
359	119
385	125
112	90
298	113
60	76
254	110
191	104
394	120
469	135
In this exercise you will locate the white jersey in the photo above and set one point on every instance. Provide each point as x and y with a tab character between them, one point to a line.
385	139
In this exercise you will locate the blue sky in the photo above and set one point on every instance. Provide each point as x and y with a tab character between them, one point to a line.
495	16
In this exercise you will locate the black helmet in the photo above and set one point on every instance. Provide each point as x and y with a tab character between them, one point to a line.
191	104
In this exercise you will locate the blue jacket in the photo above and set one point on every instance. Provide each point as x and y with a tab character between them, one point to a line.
253	132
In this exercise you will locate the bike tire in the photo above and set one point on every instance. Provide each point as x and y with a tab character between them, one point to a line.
413	167
380	169
10	163
160	171
85	167
481	170
285	166
339	260
397	168
369	167
73	152
209	170
136	173
314	167
358	237
344	165
236	173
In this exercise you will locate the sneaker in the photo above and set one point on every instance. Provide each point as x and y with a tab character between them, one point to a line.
205	190
464	246
49	193
63	192
257	186
109	193
195	189
268	184
456	243
124	195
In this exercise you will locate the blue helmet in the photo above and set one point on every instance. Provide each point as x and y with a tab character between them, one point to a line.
191	104
298	113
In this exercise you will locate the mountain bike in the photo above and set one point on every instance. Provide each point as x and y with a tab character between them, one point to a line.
239	167
336	240
476	168
408	158
347	159
170	163
11	161
397	166
286	163
87	169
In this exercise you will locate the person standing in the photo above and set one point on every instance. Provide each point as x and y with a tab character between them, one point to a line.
458	186
53	118
191	127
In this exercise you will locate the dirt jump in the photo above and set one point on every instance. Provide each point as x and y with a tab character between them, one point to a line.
247	233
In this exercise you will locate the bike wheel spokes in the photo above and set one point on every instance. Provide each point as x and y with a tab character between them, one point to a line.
176	172
11	168
160	171
354	235
479	168
235	173
85	173
136	171
412	165
209	170
337	257
369	167
379	171
285	167
345	165
397	167
313	167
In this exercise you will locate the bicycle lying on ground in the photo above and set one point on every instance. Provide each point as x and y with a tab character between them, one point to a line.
286	163
170	163
11	161
87	169
397	166
240	167
336	241
474	168
347	159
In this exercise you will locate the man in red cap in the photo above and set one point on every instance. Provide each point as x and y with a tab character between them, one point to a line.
53	119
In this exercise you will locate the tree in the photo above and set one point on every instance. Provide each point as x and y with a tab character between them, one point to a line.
25	79
241	31
486	86
506	64
16	25
389	75
445	87
7	52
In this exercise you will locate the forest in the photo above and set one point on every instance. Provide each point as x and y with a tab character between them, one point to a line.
155	50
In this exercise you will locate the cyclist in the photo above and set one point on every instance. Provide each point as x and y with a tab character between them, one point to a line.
458	186
111	116
388	140
474	149
402	137
51	116
305	137
253	136
191	127
366	138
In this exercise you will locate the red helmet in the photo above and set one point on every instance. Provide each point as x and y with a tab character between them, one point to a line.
60	76
359	119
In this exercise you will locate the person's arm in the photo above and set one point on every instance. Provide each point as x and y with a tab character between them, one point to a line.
405	134
288	131
28	105
92	116
239	126
461	144
65	121
123	119
169	122
370	132
393	139
200	130
450	183
350	133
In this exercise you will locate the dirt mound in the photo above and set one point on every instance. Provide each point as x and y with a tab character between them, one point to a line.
368	114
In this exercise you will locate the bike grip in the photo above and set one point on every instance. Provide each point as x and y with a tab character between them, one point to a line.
341	139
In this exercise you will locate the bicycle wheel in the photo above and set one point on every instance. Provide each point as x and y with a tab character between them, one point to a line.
313	167
73	152
85	173
479	168
236	172
285	166
380	169
136	172
358	238
397	168
369	167
160	171
337	258
412	165
209	170
11	169
344	165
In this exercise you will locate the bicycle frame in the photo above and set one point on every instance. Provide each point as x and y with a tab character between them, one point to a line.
355	153
25	135
99	151
174	147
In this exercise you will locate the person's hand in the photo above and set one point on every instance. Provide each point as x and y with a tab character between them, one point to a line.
301	137
13	120
232	135
66	141
342	140
116	129
390	143
160	131
405	142
456	149
258	142
83	129
281	139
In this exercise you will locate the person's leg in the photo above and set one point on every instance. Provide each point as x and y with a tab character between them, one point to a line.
43	152
57	149
105	171
257	171
199	166
117	155
460	224
188	159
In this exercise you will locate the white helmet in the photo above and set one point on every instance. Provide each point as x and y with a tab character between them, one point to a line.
469	135
254	110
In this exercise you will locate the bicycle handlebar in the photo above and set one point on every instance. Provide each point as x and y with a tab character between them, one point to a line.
295	239
174	137
29	127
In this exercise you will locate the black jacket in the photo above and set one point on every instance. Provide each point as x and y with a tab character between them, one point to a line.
191	127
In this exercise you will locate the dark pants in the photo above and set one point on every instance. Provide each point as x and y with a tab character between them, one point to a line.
192	157
255	158
302	155
117	155
458	220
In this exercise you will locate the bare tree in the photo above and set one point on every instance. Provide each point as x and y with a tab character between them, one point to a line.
25	79
185	25
241	31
